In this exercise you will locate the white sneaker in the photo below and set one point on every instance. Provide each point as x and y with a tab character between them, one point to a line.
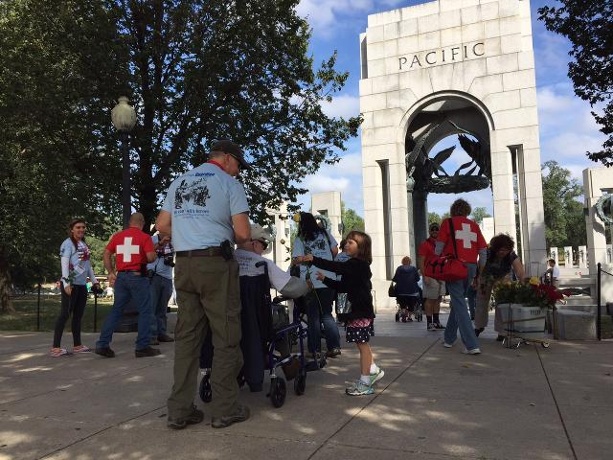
474	351
376	376
57	352
447	345
359	389
81	349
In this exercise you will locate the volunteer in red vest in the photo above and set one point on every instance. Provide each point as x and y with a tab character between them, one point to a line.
470	246
434	290
132	249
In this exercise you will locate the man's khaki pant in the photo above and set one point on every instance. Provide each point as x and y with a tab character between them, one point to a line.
208	294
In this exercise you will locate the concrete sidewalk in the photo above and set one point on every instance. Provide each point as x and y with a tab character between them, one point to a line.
433	404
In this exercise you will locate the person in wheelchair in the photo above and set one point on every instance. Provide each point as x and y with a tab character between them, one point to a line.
256	317
407	288
250	253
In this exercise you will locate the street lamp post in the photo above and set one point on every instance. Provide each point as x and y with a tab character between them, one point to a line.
123	117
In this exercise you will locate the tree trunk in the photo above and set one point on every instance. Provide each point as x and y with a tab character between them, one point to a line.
6	305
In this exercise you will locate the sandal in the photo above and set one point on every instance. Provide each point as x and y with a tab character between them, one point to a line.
81	349
57	352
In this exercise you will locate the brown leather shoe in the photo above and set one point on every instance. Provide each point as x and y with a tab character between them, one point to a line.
333	353
106	352
195	416
242	413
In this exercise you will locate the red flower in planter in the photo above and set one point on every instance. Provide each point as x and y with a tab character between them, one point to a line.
547	295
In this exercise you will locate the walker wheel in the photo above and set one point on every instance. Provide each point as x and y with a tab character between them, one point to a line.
278	391
205	389
300	383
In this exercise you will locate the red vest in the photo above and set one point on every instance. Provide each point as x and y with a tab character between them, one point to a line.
130	247
426	249
468	237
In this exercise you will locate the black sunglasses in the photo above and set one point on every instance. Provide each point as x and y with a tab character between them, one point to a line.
263	243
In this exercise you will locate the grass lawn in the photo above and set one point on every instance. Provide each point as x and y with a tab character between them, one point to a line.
26	316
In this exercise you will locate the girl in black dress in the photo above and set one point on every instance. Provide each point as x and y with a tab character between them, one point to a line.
356	283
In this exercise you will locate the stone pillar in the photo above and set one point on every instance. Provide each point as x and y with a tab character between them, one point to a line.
595	180
502	188
568	256
329	204
281	250
553	254
487	228
582	256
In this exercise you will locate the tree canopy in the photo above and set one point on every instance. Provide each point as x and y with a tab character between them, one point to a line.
478	214
351	220
564	219
588	24
194	70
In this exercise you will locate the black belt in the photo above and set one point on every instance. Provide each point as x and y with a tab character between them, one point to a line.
128	271
208	252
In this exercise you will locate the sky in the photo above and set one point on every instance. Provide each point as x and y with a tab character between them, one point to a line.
567	128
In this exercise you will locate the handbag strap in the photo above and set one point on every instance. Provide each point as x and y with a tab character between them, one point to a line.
329	242
455	249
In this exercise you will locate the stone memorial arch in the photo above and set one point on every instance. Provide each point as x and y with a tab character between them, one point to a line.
461	68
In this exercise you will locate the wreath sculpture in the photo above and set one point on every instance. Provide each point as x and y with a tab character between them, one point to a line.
603	208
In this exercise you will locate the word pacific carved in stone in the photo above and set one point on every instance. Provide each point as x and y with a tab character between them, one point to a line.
441	56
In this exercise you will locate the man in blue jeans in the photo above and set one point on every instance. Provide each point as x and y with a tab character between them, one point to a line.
160	280
319	310
461	237
132	249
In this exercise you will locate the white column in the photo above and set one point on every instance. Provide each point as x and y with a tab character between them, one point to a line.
281	252
582	256
594	180
553	254
568	256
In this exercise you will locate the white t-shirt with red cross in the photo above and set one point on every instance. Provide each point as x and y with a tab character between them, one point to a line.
468	237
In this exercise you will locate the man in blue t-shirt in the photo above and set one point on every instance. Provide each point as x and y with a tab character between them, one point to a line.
206	212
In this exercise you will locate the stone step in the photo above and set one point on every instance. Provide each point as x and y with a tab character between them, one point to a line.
577	280
582	300
574	324
578	322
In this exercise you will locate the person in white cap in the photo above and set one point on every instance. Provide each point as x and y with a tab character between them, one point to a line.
249	253
256	321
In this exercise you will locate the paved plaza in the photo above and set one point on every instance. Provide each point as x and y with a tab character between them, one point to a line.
434	403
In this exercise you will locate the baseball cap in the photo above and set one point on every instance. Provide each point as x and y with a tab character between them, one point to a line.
231	148
262	235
